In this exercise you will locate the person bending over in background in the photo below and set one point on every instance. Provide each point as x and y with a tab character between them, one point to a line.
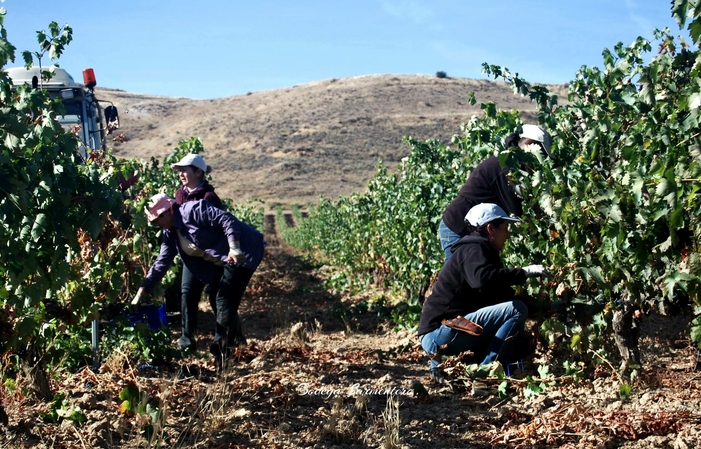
192	170
216	247
472	306
488	183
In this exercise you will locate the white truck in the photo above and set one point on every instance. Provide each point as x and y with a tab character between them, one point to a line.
84	115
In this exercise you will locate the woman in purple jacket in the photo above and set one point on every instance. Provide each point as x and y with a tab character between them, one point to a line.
192	170
216	247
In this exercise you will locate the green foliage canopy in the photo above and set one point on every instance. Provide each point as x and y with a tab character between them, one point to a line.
74	241
616	216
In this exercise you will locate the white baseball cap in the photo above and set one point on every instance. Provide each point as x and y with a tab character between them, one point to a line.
539	134
195	160
485	213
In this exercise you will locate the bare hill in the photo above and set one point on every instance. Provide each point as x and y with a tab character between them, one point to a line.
292	145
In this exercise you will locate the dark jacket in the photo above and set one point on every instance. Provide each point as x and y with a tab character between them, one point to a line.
210	229
473	278
488	183
204	191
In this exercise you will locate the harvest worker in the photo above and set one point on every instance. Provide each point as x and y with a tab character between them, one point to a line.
488	183
192	170
216	247
472	306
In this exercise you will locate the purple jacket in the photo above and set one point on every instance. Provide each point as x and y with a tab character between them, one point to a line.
211	229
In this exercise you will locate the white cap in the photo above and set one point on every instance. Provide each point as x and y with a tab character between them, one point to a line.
539	134
195	160
485	213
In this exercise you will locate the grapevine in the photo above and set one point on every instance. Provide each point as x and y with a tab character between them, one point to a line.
616	216
75	242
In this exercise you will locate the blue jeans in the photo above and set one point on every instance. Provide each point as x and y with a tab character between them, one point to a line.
448	238
502	324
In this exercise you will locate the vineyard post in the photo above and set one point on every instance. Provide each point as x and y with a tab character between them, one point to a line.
95	344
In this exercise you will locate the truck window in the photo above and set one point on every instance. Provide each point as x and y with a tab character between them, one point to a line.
74	113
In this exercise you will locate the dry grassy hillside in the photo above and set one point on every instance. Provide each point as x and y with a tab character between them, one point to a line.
295	144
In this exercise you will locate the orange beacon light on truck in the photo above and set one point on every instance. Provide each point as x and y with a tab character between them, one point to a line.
89	78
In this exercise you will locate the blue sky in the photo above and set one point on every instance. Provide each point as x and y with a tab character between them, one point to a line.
216	48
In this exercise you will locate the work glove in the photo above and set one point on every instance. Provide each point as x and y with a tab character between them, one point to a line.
137	297
536	270
236	256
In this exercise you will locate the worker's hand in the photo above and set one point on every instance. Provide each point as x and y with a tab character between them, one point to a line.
236	256
137	297
536	270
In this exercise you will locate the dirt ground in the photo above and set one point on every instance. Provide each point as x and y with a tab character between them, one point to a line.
309	378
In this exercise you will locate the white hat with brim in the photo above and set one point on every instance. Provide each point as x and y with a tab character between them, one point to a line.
485	213
539	134
158	204
194	160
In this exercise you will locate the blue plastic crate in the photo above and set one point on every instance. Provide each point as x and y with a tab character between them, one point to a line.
152	314
512	367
